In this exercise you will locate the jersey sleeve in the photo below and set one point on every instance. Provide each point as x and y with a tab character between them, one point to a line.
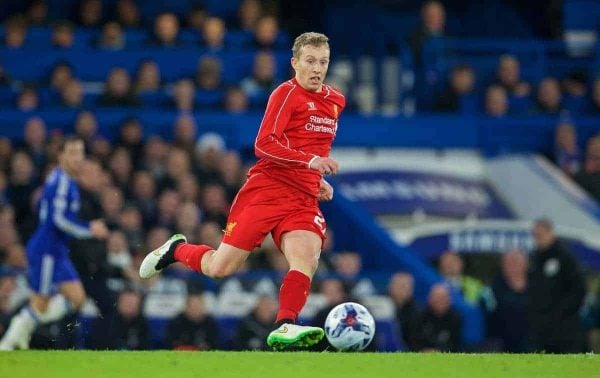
62	217
268	143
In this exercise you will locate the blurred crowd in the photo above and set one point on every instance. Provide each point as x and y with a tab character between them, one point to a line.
148	190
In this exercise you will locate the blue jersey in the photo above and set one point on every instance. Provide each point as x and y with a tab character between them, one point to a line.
58	218
47	250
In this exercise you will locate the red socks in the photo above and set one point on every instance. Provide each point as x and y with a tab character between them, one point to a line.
191	255
292	295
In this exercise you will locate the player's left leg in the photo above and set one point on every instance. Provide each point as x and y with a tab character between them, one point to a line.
302	249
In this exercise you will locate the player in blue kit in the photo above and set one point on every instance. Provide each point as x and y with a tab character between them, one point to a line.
56	287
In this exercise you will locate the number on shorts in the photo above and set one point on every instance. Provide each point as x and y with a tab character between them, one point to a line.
320	221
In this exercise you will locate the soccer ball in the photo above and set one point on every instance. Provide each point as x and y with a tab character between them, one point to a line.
349	326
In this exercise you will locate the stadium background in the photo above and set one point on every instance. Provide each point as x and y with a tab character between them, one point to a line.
173	133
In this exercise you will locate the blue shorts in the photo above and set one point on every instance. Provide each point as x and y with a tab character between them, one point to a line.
48	270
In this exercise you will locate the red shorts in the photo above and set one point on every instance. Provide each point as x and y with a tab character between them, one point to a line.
266	205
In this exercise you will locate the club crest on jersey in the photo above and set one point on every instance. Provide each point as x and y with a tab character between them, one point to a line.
311	105
229	228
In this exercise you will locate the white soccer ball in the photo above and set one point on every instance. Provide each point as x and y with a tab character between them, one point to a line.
349	326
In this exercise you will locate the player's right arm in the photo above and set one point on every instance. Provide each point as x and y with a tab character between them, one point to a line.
66	221
268	144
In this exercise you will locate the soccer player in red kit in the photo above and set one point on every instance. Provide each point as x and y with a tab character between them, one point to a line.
281	193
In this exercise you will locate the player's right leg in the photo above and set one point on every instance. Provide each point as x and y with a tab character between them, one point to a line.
219	263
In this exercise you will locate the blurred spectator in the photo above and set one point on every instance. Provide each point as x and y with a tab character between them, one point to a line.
6	151
130	222
35	140
566	152
143	190
208	75
112	37
183	95
90	13
254	328
168	204
248	14
100	148
589	175
462	84
433	19
451	267
63	35
193	329
21	185
236	100
549	96
28	99
185	133
119	258
232	175
189	219
348	266
196	17
112	201
128	14
262	82
334	292
72	94
188	188
37	13
155	156
408	312
166	30
556	292
86	127
121	167
210	234
214	202
89	255
131	138
147	77
440	325
117	90
575	92
60	76
129	329
496	102
213	34
178	165
509	320
210	148
15	32
266	32
508	76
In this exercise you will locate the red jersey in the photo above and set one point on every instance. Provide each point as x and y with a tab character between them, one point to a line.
298	126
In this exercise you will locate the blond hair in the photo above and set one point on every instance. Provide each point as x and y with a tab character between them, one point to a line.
308	39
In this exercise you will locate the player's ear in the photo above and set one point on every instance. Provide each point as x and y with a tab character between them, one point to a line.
294	62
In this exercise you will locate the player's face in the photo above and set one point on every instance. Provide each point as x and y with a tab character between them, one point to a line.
311	66
72	156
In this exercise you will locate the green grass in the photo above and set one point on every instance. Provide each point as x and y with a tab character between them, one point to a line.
84	364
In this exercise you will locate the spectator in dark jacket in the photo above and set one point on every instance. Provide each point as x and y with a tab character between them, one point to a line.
440	324
128	329
556	292
462	83
254	329
433	18
589	176
193	329
508	321
408	312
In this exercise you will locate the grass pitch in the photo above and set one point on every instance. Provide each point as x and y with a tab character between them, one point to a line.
84	364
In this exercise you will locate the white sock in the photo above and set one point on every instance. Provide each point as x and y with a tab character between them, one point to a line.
19	332
58	307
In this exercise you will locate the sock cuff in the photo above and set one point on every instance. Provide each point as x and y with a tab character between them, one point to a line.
298	276
32	313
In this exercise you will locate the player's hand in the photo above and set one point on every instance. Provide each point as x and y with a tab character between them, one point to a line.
99	229
325	191
325	165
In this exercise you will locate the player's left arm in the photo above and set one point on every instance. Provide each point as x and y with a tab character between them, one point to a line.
325	190
64	219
